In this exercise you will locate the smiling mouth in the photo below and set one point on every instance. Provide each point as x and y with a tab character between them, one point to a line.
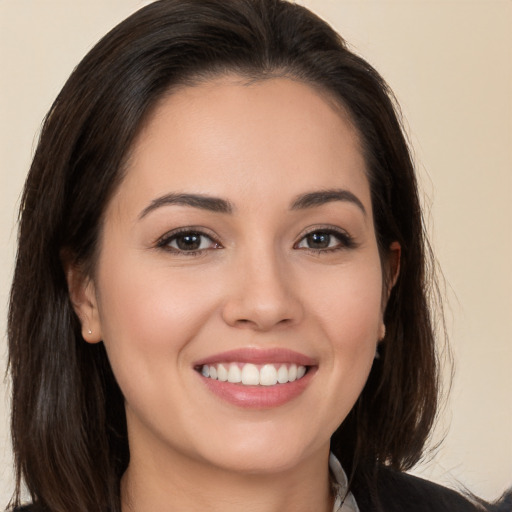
249	374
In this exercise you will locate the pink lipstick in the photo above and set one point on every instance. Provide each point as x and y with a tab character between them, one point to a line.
257	378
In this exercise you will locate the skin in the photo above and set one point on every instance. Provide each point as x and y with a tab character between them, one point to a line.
255	282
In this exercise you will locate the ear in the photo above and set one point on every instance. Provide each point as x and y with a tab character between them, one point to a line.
391	273
393	270
82	294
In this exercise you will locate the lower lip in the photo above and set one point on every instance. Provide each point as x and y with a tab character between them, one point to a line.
258	397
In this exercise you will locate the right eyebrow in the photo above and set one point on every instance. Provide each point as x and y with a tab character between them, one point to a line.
318	198
203	202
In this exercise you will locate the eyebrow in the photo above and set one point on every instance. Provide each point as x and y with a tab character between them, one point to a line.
212	204
313	199
218	205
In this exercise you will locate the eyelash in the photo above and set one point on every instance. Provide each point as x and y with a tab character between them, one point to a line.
345	241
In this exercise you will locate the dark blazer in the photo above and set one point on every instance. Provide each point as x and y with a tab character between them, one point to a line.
400	492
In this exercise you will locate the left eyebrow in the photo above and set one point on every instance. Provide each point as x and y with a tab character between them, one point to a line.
313	199
203	202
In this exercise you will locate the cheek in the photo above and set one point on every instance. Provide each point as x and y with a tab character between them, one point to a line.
149	314
347	306
348	303
150	318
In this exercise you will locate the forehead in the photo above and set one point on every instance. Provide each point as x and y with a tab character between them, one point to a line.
275	137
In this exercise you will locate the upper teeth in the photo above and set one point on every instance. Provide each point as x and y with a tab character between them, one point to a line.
251	375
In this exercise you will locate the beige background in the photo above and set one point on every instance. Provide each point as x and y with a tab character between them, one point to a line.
450	65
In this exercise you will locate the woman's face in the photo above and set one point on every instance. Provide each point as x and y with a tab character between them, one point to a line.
240	245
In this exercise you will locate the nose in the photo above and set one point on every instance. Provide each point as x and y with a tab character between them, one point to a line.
263	294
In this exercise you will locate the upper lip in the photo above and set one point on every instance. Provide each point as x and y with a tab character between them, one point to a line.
258	356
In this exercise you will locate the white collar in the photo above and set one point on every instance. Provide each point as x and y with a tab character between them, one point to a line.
343	502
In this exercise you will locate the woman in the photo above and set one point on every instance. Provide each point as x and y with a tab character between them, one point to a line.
222	277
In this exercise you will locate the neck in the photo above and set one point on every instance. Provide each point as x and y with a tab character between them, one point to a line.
191	485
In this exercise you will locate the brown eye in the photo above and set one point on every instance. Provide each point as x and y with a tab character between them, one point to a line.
318	240
325	240
188	241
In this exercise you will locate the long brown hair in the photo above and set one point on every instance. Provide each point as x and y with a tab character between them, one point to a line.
68	422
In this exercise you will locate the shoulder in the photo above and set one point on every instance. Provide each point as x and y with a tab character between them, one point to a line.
400	492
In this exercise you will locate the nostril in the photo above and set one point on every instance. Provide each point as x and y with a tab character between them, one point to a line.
245	322
261	311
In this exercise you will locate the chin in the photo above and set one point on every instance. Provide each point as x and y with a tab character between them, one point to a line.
258	453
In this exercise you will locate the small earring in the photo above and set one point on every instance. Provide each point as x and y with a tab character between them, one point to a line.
89	331
377	355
